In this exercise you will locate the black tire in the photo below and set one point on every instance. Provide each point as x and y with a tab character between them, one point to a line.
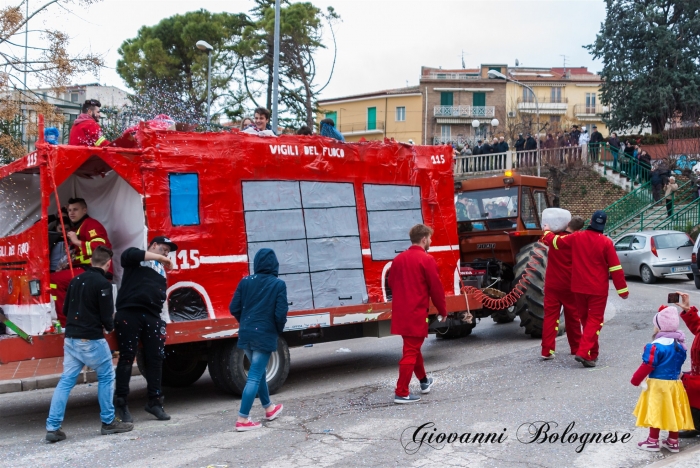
234	364
182	366
457	331
647	275
690	276
216	357
530	306
505	315
697	281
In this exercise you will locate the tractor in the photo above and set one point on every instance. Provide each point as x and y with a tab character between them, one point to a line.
499	225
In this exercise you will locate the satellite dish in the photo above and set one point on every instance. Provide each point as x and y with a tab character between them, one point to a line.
517	64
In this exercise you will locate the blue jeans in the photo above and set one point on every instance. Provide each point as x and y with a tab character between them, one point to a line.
78	353
256	383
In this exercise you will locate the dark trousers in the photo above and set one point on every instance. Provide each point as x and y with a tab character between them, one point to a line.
669	206
131	326
411	363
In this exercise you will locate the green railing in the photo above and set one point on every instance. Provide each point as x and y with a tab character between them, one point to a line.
628	206
685	219
616	161
657	213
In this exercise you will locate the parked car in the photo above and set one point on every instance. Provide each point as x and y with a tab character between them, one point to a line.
653	254
694	262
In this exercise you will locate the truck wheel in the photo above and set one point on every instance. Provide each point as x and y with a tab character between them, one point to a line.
235	367
505	315
455	331
216	357
182	366
530	306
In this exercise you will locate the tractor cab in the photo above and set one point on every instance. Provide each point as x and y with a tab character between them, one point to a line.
496	217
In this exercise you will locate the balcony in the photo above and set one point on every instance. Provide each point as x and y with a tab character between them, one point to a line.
585	112
546	105
452	76
361	128
457	139
464	111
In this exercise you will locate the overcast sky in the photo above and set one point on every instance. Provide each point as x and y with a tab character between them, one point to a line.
381	43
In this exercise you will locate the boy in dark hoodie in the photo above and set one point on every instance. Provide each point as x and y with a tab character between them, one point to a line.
260	306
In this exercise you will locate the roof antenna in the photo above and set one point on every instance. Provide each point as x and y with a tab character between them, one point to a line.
463	65
564	57
517	64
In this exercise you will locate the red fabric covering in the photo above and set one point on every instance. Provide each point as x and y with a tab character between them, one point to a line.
553	301
591	309
411	363
86	132
691	380
558	274
641	373
593	257
414	280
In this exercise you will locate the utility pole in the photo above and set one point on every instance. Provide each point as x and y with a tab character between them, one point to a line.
25	114
276	68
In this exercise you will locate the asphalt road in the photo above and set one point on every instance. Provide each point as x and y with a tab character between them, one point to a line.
339	410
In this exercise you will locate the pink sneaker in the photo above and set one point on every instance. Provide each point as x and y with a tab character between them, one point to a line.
671	445
649	445
249	425
272	414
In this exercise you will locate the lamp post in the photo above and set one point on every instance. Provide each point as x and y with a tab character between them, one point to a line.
276	67
206	47
500	76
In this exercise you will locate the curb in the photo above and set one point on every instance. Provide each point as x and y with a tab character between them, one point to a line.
49	381
690	454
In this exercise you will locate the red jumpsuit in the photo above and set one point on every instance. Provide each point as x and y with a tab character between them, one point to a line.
91	234
691	380
557	294
593	260
413	280
86	132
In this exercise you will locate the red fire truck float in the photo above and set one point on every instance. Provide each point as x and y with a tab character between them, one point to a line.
335	213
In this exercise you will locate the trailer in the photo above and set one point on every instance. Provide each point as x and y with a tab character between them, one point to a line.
335	213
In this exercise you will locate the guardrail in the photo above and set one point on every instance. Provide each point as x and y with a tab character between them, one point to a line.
482	164
464	111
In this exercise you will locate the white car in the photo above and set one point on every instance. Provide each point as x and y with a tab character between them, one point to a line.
653	254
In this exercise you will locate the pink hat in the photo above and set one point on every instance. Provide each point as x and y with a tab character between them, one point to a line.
666	319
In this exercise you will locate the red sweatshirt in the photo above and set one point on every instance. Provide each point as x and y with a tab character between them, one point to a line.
414	280
558	274
691	380
593	259
86	132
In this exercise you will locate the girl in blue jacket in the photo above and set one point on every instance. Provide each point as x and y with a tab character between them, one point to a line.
260	306
663	404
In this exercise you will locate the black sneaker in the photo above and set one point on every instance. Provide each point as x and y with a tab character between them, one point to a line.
121	410
425	387
116	426
406	399
55	436
585	362
155	407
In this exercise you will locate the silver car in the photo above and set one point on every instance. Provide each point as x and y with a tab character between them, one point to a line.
652	254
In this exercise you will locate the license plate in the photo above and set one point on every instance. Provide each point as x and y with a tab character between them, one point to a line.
685	269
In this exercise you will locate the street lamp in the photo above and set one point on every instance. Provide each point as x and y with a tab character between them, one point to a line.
206	47
500	76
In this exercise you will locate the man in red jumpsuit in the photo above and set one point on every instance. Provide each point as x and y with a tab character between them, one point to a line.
86	130
557	294
86	235
593	260
414	281
691	380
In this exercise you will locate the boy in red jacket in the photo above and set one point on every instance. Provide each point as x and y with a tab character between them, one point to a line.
593	260
414	280
691	380
86	130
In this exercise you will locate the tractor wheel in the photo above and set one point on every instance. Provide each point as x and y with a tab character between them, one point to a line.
505	315
530	306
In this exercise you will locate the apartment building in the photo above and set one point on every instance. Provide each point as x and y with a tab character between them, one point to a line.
565	97
392	113
462	105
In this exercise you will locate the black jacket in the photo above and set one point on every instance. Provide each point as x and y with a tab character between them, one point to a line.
478	149
530	144
486	149
142	287
89	305
596	137
520	143
502	147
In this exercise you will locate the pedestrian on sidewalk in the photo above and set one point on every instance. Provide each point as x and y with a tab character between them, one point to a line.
594	260
139	304
663	403
691	380
671	187
414	281
557	287
89	307
260	306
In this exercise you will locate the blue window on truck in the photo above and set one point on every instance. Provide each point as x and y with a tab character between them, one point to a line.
184	199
